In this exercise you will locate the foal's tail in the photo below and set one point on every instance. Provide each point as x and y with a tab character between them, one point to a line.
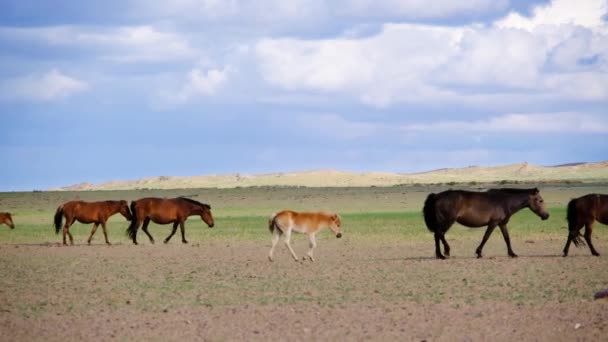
429	211
58	217
272	224
132	229
572	216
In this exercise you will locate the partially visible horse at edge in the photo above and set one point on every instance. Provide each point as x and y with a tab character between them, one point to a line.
165	211
7	219
477	209
97	213
584	211
287	221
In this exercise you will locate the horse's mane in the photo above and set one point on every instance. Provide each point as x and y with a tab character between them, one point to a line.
195	202
514	190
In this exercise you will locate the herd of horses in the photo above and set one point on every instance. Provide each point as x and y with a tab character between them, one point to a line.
474	209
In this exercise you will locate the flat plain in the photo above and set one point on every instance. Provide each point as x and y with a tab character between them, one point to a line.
380	281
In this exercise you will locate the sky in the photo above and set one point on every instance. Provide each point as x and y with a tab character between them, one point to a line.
93	91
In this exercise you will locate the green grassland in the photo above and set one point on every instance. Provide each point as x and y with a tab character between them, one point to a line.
241	213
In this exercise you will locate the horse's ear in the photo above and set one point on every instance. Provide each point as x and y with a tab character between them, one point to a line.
536	191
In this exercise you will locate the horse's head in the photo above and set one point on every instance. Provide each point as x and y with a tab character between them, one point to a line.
8	220
124	210
206	215
537	204
336	225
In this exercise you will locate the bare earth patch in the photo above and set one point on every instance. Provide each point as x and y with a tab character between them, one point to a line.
356	290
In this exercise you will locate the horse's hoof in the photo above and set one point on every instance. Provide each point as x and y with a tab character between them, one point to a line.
184	241
513	255
596	254
166	241
270	259
109	244
479	256
441	257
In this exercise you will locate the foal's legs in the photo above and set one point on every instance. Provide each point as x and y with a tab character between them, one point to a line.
105	232
486	236
588	230
92	232
276	233
505	234
145	229
312	244
172	231
288	244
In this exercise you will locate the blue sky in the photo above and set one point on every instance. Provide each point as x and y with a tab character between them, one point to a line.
96	91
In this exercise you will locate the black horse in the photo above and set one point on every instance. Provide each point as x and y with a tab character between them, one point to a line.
584	211
477	209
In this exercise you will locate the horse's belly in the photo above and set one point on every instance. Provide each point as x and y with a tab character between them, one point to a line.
161	220
472	222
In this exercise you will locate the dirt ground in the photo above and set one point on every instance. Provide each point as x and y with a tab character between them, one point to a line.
374	290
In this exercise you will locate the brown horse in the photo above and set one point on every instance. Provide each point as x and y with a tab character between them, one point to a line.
165	211
7	219
89	212
584	211
477	209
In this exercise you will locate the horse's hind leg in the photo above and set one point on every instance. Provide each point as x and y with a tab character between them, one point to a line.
145	229
446	246
588	230
276	233
66	231
486	236
572	235
438	254
92	232
505	235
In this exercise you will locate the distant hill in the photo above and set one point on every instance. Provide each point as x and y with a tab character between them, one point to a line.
524	172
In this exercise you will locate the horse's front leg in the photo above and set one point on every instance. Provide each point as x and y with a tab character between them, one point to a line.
486	236
182	229
505	235
105	233
172	231
92	232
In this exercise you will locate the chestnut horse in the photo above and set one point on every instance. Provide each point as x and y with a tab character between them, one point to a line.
584	211
164	211
7	219
89	212
477	209
308	223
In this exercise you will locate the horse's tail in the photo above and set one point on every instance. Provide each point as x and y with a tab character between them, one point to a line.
572	216
132	229
58	217
429	211
272	225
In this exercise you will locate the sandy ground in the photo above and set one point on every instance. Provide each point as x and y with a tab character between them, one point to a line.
379	290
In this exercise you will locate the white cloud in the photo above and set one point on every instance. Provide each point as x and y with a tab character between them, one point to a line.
514	123
119	44
421	63
200	83
587	13
50	86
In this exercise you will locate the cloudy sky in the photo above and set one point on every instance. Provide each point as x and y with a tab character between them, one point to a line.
121	89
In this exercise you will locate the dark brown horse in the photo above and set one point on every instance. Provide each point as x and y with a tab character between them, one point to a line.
89	212
584	211
165	211
7	219
477	209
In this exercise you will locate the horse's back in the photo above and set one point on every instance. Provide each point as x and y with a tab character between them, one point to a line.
302	222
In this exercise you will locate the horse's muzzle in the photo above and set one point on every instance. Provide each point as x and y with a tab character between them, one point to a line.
545	217
211	225
339	235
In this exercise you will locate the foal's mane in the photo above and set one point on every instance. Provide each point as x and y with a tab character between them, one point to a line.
195	202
